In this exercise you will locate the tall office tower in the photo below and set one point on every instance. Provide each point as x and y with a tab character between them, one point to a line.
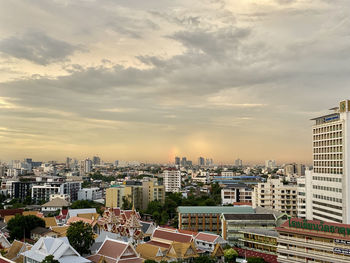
270	164
300	169
96	160
68	160
184	161
238	163
201	161
177	160
329	182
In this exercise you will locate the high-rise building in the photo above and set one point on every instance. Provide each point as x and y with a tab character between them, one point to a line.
238	163
270	164
172	180
184	161
329	183
68	161
177	160
85	166
201	161
96	160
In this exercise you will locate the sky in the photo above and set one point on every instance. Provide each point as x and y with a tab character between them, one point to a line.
150	80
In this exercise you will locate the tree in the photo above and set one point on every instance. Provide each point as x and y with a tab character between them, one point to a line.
50	259
150	261
230	255
21	226
126	204
80	236
87	204
204	259
256	260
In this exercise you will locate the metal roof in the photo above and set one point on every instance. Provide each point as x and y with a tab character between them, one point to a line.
215	209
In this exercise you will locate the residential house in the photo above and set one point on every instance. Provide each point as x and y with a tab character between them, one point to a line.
14	252
39	232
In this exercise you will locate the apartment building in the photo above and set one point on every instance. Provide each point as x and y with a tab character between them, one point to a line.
136	192
301	199
172	180
41	193
239	193
90	194
329	182
274	194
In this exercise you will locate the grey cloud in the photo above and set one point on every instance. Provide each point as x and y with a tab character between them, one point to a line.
37	47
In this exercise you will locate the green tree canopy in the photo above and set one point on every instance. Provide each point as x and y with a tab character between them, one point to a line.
256	260
50	259
230	255
80	236
79	204
204	259
150	261
20	226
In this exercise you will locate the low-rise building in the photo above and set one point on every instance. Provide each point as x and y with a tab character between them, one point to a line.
234	224
261	241
303	240
207	218
239	193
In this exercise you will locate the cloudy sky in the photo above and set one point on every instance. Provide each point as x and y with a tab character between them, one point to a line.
148	80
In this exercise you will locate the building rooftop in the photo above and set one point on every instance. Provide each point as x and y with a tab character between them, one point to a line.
260	231
249	217
215	209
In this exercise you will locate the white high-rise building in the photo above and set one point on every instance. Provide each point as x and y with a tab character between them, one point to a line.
270	164
329	182
172	180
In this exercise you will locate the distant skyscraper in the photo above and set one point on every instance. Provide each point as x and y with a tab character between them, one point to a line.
270	164
328	185
201	161
238	163
116	163
68	161
177	160
96	160
184	161
85	166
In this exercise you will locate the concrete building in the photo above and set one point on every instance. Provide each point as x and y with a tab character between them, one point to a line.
151	191
71	189
207	218
270	164
42	193
301	201
172	180
21	190
275	195
329	182
239	193
313	241
135	192
90	194
234	224
238	163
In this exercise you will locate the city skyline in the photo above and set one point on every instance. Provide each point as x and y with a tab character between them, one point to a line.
151	81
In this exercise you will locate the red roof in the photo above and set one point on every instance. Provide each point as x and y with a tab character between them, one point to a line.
188	232
4	260
10	212
112	249
64	212
158	244
206	237
250	253
171	236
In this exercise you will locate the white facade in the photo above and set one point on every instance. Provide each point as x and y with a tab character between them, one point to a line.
270	164
234	194
172	180
90	194
301	202
43	192
275	195
330	181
